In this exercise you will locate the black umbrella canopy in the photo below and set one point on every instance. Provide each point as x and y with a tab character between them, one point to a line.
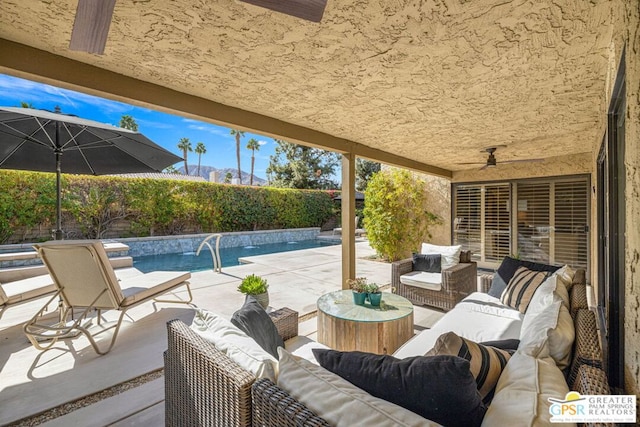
29	139
43	141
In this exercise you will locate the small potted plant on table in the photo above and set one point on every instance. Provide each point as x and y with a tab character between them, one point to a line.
256	286
375	296
358	286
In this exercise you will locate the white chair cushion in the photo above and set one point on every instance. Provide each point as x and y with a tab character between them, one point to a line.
523	392
232	341
25	289
301	346
450	254
422	279
338	401
150	285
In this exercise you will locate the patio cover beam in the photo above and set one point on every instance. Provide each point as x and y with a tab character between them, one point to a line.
348	218
34	64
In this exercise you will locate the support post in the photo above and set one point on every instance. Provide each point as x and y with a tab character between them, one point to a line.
348	218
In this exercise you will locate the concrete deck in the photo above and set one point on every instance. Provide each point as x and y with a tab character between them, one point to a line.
32	382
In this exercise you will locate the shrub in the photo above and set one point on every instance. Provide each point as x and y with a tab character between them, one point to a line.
253	285
396	213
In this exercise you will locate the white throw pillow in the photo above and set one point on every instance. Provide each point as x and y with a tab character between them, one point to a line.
565	274
450	255
523	392
535	328
338	401
543	296
232	341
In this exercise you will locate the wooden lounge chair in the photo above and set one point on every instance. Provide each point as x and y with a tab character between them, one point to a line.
85	280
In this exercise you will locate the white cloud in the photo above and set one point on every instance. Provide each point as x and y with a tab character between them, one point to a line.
262	142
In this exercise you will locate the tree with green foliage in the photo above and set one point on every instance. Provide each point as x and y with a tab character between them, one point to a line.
298	166
128	122
200	150
57	109
238	134
185	145
26	105
364	171
397	216
253	145
171	169
228	177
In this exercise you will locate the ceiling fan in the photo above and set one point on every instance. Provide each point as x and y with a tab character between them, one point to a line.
93	18
492	161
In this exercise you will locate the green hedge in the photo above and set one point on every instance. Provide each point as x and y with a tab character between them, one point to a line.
153	207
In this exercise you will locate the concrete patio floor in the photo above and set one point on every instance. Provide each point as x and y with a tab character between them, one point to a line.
32	382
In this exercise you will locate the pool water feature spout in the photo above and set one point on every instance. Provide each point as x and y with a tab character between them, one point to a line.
215	254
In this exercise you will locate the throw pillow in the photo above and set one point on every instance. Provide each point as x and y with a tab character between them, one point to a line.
509	345
486	363
535	327
508	268
521	288
429	263
421	384
255	322
450	254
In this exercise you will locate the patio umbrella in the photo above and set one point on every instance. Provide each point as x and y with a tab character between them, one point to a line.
43	141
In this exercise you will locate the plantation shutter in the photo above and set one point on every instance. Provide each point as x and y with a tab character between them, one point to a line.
533	220
497	224
467	219
571	231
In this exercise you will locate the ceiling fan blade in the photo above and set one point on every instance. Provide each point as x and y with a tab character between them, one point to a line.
91	26
311	10
521	161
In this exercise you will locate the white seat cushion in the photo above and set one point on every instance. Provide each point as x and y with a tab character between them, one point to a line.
479	317
25	289
152	284
301	346
422	279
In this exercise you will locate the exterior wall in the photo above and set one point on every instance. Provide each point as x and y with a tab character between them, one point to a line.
630	10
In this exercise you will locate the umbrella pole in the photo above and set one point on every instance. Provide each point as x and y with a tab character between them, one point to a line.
58	151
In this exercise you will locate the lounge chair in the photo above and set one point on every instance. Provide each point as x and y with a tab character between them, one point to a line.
357	232
85	280
25	290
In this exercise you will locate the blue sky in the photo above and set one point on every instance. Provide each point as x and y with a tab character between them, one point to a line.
163	129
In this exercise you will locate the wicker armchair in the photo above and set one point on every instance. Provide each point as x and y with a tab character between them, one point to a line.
203	386
457	282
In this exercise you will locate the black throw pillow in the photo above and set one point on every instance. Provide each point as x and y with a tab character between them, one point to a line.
510	345
439	388
427	262
255	322
508	268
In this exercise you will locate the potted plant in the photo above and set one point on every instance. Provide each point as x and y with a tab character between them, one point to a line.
375	296
256	286
358	286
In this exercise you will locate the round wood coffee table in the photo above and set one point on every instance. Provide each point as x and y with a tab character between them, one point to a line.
344	326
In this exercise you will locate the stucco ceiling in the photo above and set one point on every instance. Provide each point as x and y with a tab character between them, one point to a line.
433	81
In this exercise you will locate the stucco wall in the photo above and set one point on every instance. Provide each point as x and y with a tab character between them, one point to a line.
631	36
440	204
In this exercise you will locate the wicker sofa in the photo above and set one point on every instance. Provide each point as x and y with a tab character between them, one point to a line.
456	283
205	388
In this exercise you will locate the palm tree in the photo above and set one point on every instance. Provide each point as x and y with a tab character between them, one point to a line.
252	145
227	178
185	146
200	150
238	134
128	122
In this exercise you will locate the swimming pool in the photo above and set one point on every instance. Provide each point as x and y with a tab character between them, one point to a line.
229	256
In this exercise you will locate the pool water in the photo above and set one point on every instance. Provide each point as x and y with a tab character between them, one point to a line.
229	256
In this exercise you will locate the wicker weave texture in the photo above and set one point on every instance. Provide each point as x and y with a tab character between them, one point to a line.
587	344
578	298
485	282
203	387
593	381
274	407
457	282
286	321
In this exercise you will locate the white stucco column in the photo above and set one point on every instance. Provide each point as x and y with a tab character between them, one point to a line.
348	218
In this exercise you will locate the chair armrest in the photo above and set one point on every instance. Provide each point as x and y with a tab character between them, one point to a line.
461	278
201	382
286	321
272	406
398	268
485	282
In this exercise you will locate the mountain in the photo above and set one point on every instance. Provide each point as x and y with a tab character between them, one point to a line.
206	170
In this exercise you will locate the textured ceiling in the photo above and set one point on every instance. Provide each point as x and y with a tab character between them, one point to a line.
433	81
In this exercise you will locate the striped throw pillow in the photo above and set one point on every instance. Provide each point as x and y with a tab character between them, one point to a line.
521	288
486	363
